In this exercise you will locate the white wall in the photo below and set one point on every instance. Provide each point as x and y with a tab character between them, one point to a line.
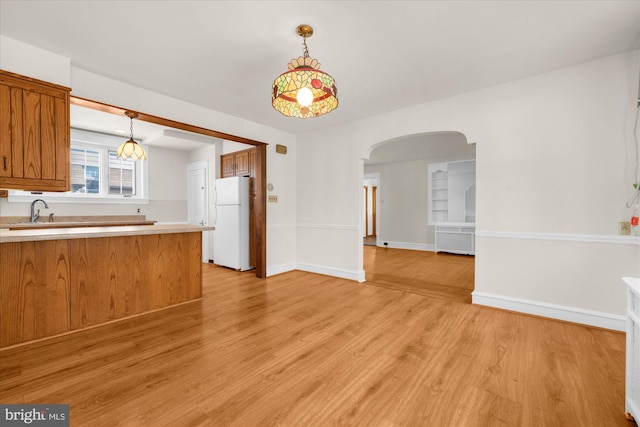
167	185
552	159
28	60
329	204
403	204
209	154
167	200
404	207
281	216
232	146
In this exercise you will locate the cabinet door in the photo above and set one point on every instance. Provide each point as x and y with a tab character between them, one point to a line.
34	296
120	276
228	165
6	131
34	134
252	162
242	163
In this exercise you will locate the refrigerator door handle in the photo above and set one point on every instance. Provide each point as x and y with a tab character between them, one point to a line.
215	205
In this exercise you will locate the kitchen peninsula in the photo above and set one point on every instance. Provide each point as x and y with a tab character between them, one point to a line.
61	280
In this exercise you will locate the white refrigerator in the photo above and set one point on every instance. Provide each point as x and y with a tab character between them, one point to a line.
231	233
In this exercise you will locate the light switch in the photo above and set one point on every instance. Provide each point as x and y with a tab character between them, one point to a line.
273	199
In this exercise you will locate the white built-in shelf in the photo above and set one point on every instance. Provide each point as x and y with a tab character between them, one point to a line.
452	202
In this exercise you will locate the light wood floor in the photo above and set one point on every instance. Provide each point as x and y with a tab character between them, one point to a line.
437	275
301	349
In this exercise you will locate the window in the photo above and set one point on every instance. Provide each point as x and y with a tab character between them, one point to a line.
85	170
97	174
122	175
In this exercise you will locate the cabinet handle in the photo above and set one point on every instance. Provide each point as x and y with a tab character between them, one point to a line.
4	163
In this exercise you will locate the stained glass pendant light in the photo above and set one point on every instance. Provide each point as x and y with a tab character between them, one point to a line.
304	90
131	148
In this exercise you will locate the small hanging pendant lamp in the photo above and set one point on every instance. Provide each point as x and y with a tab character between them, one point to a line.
131	148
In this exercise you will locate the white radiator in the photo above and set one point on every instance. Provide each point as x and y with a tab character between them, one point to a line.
632	400
457	240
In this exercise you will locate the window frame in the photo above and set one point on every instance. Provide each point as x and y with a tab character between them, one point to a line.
103	143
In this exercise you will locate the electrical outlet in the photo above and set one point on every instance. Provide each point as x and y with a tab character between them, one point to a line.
138	210
624	228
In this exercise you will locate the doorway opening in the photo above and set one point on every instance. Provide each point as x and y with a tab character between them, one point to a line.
405	256
370	188
260	184
198	200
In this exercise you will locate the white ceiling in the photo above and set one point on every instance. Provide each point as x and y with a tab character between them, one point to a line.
384	55
438	146
145	132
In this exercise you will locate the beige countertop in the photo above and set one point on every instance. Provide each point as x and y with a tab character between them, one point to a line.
22	223
7	235
70	224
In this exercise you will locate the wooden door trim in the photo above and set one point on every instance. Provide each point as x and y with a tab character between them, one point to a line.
366	211
261	210
261	167
75	100
374	211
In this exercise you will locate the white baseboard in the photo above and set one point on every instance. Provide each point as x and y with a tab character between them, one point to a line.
278	269
559	312
337	272
345	274
406	245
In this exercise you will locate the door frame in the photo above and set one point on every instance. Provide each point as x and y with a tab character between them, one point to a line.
193	166
261	167
366	211
376	225
374	208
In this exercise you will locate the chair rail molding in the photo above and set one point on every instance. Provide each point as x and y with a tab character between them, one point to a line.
587	238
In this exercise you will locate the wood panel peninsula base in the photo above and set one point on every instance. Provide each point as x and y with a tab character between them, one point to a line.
63	280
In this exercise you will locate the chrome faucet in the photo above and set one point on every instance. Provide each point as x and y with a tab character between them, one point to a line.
36	215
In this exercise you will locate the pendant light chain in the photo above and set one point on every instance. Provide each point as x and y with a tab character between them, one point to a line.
131	129
306	49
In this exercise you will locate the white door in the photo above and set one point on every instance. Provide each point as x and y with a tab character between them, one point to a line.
197	201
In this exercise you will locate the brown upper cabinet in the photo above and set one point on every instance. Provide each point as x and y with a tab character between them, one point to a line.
228	165
34	134
240	163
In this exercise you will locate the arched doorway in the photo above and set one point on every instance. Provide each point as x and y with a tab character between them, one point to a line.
405	257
